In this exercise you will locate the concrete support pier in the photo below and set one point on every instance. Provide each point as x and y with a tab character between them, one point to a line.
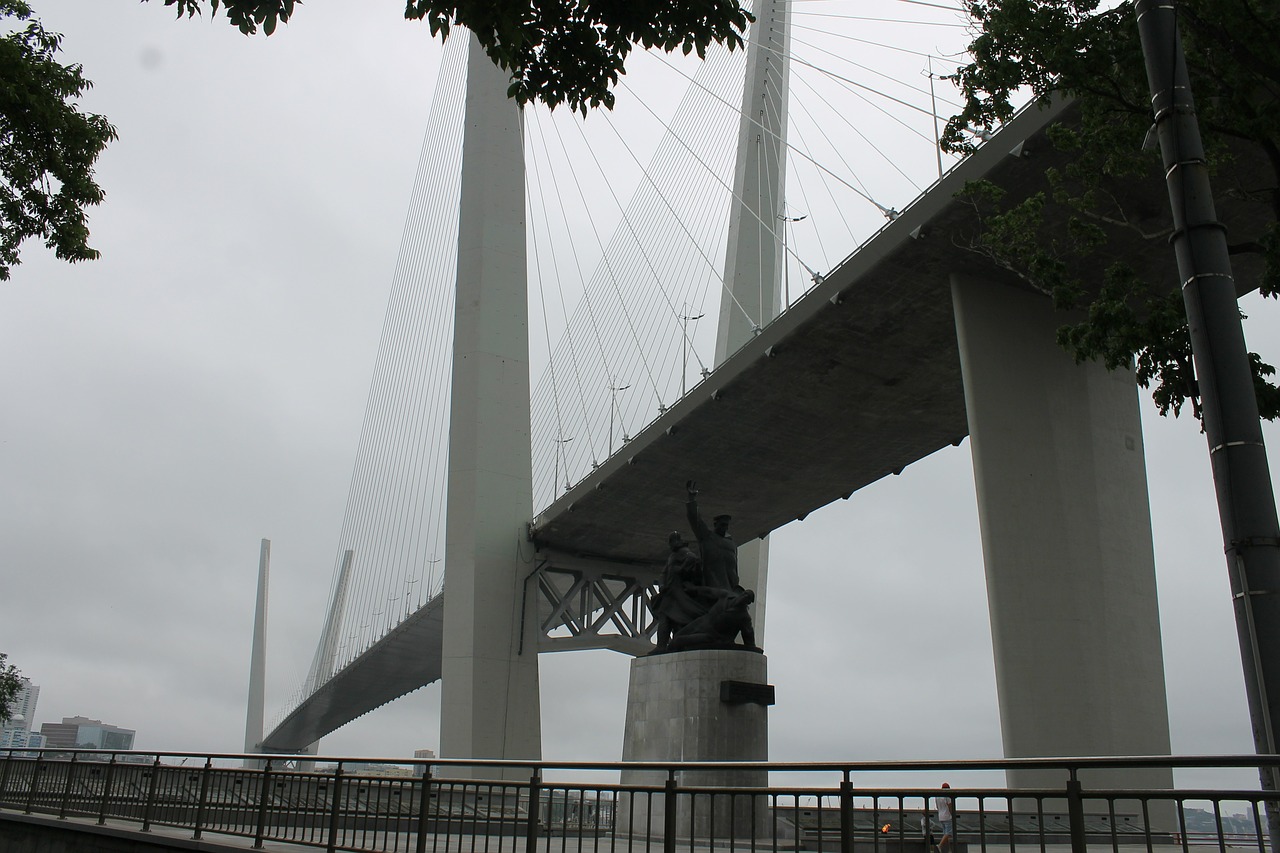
489	704
676	713
754	253
1066	539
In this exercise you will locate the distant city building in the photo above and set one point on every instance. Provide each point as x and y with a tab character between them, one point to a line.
23	710
16	738
422	755
364	768
60	735
84	733
392	770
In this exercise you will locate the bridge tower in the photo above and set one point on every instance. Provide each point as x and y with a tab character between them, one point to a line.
1066	538
256	713
489	695
754	255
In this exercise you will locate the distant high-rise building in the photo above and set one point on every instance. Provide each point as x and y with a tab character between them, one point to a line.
84	733
23	710
59	735
422	755
16	738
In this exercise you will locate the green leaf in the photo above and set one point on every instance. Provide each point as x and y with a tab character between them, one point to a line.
1093	53
49	146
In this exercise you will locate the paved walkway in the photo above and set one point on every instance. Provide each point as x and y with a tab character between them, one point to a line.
174	838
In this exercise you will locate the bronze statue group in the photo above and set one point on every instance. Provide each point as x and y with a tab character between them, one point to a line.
700	603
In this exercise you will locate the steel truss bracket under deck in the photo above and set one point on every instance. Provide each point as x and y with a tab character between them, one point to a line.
587	603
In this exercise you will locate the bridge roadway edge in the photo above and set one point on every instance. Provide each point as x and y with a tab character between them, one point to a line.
404	660
857	380
860	377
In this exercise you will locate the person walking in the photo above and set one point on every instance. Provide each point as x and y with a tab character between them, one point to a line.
944	804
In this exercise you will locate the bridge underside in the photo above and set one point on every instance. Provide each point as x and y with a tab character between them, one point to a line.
404	660
857	380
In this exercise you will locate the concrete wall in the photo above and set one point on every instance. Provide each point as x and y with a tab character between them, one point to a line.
35	834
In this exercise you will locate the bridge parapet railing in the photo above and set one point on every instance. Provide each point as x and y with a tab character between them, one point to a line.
445	806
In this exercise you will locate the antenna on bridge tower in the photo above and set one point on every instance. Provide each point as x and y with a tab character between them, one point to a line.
253	724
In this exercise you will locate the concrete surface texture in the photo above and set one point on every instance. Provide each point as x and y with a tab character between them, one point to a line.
1066	538
675	713
489	700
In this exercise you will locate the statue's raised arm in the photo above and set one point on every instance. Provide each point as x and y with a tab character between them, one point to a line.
716	546
699	527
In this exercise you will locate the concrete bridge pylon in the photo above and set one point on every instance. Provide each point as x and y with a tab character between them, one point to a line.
256	713
489	704
1066	538
754	255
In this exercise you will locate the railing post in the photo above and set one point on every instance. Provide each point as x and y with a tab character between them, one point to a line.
335	809
4	776
66	789
35	781
669	814
204	796
106	790
846	814
151	795
1075	813
424	803
535	803
264	798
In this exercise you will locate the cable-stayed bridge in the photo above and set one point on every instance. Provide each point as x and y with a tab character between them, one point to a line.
620	512
890	354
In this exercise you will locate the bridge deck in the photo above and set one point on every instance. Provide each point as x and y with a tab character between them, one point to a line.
857	380
405	659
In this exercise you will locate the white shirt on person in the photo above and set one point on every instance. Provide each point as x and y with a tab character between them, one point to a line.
943	805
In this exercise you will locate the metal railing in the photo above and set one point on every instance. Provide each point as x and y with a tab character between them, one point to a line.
345	804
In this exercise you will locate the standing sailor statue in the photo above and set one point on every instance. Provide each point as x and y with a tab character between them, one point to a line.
700	604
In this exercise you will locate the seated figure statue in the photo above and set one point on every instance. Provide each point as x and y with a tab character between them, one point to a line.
721	625
677	604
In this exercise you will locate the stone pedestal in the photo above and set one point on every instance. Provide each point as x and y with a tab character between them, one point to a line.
675	712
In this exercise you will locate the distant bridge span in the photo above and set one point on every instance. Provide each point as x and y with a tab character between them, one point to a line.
407	658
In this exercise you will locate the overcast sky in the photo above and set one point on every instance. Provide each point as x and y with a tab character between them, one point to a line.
202	386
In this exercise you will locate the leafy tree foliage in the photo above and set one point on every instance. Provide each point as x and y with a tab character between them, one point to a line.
47	146
1083	49
558	51
10	684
